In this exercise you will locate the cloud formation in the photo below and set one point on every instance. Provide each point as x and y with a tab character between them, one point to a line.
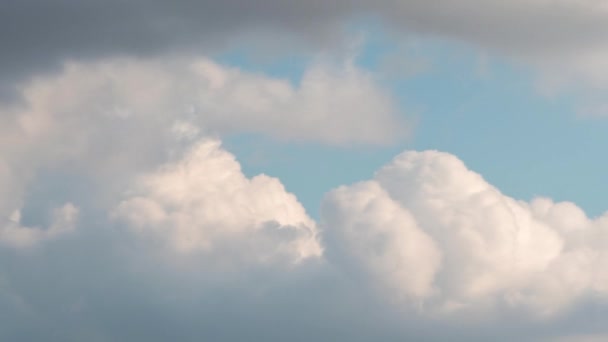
110	120
156	234
438	236
564	39
333	104
192	248
203	202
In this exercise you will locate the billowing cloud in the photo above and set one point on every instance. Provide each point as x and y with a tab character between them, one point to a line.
109	120
439	237
203	202
193	249
154	233
335	104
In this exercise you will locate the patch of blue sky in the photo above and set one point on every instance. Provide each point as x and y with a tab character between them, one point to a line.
286	66
484	110
521	141
308	170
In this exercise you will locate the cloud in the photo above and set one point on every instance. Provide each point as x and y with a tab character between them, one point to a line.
192	249
340	106
333	104
105	122
439	237
561	42
36	36
204	202
13	234
395	248
108	121
144	27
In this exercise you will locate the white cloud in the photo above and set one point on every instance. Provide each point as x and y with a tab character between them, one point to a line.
113	119
428	228
207	247
396	247
203	202
332	104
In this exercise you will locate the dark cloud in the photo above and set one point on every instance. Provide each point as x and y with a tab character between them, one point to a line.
36	35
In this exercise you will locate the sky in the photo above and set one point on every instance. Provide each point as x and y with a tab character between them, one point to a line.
270	170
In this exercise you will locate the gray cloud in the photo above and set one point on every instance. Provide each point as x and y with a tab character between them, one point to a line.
36	35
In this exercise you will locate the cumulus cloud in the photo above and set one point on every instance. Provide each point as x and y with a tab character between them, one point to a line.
334	104
193	250
110	120
204	202
396	248
341	106
426	232
439	236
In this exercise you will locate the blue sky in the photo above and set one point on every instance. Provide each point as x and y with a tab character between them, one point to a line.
482	108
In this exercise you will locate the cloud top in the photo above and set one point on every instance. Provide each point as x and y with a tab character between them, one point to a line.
203	202
438	235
